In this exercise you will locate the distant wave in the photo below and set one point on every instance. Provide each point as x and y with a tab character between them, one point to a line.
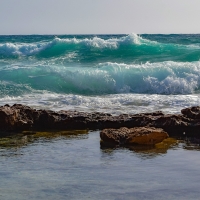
9	48
128	48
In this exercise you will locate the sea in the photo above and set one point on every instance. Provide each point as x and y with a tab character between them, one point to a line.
105	73
114	74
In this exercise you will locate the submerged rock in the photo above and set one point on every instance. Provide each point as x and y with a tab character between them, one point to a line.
137	135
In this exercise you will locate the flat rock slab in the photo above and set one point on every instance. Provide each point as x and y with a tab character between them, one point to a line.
137	135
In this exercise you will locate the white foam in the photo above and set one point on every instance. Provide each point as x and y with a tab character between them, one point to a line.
112	43
114	104
22	48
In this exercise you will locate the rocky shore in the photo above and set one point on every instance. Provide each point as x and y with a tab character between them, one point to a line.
20	117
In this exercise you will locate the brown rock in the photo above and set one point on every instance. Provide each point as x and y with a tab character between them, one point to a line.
137	135
20	117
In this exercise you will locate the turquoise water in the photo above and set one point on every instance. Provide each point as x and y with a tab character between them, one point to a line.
129	73
74	166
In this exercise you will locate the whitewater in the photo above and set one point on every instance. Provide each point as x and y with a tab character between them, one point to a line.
106	73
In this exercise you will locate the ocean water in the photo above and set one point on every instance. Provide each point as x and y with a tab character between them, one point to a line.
108	73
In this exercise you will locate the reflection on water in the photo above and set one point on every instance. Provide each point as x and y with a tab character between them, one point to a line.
147	151
73	165
28	137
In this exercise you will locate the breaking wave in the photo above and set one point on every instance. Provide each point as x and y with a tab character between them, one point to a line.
105	78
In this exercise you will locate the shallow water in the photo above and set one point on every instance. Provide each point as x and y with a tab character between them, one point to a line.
72	165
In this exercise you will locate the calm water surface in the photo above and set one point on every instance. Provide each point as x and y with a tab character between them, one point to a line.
74	166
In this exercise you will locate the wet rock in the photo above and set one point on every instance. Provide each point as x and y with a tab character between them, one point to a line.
137	135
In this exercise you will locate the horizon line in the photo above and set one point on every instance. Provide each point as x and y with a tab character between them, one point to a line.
54	34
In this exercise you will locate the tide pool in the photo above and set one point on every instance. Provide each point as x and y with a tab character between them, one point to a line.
73	165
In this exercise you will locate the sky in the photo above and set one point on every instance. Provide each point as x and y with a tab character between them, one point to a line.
99	16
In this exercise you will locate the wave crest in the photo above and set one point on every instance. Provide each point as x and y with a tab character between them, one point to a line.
130	48
28	49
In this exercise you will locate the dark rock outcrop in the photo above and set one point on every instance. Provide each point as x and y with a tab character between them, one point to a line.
20	117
